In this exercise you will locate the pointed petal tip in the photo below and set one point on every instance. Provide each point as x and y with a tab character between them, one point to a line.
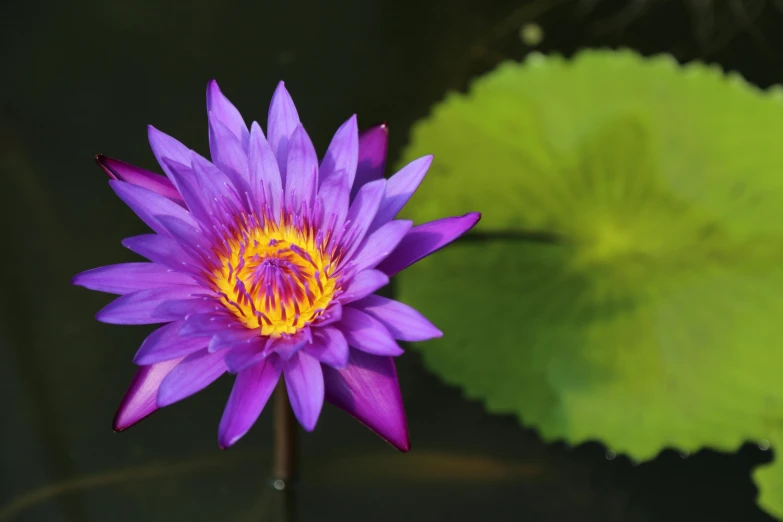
403	446
378	127
100	159
280	89
122	421
225	443
126	418
76	280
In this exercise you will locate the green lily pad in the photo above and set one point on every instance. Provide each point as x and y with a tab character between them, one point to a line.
626	284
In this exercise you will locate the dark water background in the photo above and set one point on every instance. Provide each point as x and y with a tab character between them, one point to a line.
83	77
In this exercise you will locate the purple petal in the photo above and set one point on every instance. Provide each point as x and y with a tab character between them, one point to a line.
333	314
250	393
122	171
231	338
160	249
208	324
283	119
342	155
180	308
137	307
148	204
190	238
228	154
334	197
363	284
330	347
164	146
223	197
264	173
130	277
302	170
194	373
372	156
368	389
402	321
361	214
399	189
189	186
141	398
365	333
423	240
304	381
165	344
227	113
380	244
242	356
287	346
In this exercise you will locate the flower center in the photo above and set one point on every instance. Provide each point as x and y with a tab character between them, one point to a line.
276	278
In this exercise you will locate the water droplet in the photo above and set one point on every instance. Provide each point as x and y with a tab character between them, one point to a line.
763	444
685	454
279	485
531	34
610	455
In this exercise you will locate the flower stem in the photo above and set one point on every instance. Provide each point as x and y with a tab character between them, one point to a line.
284	461
284	458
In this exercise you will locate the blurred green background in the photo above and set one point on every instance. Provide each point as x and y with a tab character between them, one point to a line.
86	77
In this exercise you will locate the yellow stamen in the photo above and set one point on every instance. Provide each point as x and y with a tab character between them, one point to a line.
275	278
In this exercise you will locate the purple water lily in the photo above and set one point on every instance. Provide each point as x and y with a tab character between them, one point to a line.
264	263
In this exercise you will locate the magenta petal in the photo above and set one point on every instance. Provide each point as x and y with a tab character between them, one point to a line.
130	277
364	284
148	204
372	156
283	119
227	113
330	347
423	240
141	398
244	355
194	373
264	173
165	344
122	171
162	250
402	321
304	381
302	170
369	390
365	333
250	393
399	189
342	155
379	244
137	307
